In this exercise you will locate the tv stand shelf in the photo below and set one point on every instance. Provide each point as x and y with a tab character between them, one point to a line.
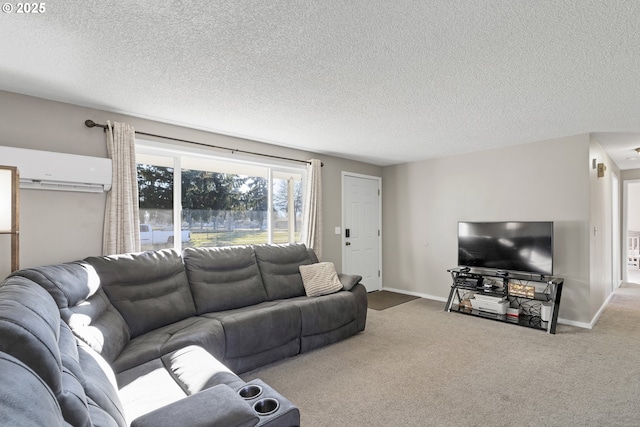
469	282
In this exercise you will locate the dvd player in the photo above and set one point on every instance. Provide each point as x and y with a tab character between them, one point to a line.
469	281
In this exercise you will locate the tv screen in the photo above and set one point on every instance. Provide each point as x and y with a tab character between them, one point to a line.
512	246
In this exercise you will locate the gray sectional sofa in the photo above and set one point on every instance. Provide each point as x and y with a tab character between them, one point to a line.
158	338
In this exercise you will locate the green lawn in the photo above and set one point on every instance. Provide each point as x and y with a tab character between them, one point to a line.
236	237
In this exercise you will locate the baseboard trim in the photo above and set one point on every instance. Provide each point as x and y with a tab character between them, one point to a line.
599	313
574	323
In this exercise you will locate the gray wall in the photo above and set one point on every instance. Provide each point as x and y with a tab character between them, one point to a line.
422	201
542	181
61	226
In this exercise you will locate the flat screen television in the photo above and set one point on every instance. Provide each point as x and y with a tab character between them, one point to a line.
508	246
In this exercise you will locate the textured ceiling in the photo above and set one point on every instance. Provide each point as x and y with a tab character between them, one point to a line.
379	81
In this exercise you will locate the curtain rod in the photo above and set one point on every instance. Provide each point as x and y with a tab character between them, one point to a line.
90	124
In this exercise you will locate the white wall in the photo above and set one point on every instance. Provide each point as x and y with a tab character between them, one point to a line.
542	181
62	226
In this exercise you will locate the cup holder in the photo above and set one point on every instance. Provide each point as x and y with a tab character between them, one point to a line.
266	406
250	391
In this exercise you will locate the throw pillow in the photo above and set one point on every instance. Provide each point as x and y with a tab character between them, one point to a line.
320	279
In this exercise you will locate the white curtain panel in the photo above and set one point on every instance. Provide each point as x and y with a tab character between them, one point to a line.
121	221
312	220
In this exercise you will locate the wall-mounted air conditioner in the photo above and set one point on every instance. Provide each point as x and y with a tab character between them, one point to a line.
46	170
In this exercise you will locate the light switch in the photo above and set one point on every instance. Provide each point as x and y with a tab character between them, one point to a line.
338	230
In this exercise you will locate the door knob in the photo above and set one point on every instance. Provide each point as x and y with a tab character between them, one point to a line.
348	243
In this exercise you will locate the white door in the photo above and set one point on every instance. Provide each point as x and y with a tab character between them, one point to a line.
361	228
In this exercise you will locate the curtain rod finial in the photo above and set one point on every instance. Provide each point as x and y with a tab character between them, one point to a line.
91	124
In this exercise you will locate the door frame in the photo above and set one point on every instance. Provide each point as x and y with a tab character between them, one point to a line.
625	225
343	239
616	260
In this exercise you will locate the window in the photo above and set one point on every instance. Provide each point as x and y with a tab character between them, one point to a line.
220	201
287	207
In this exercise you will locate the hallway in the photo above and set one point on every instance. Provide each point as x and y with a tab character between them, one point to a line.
633	275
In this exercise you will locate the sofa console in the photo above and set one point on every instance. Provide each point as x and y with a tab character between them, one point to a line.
158	338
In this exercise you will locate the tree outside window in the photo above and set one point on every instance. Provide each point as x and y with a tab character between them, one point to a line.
218	208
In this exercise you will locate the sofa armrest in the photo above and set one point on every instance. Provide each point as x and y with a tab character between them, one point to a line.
218	406
349	280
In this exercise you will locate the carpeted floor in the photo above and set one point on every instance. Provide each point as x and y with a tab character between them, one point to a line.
417	365
382	300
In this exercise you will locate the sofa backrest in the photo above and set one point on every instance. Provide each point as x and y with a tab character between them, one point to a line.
25	399
279	268
312	256
105	407
72	397
223	278
83	305
149	289
29	328
32	331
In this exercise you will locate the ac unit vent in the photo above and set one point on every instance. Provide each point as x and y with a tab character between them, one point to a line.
47	170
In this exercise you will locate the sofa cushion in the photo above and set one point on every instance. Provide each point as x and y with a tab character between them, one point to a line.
327	319
320	279
258	328
72	398
195	369
75	287
97	322
201	331
311	342
279	267
146	388
100	417
247	363
29	328
149	289
69	356
223	278
101	388
25	399
69	284
259	334
326	313
312	256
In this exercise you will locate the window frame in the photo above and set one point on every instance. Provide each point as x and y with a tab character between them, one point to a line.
177	152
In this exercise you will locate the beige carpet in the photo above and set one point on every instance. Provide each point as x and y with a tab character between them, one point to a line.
381	300
416	365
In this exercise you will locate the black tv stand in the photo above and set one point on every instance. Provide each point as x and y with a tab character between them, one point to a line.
469	282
